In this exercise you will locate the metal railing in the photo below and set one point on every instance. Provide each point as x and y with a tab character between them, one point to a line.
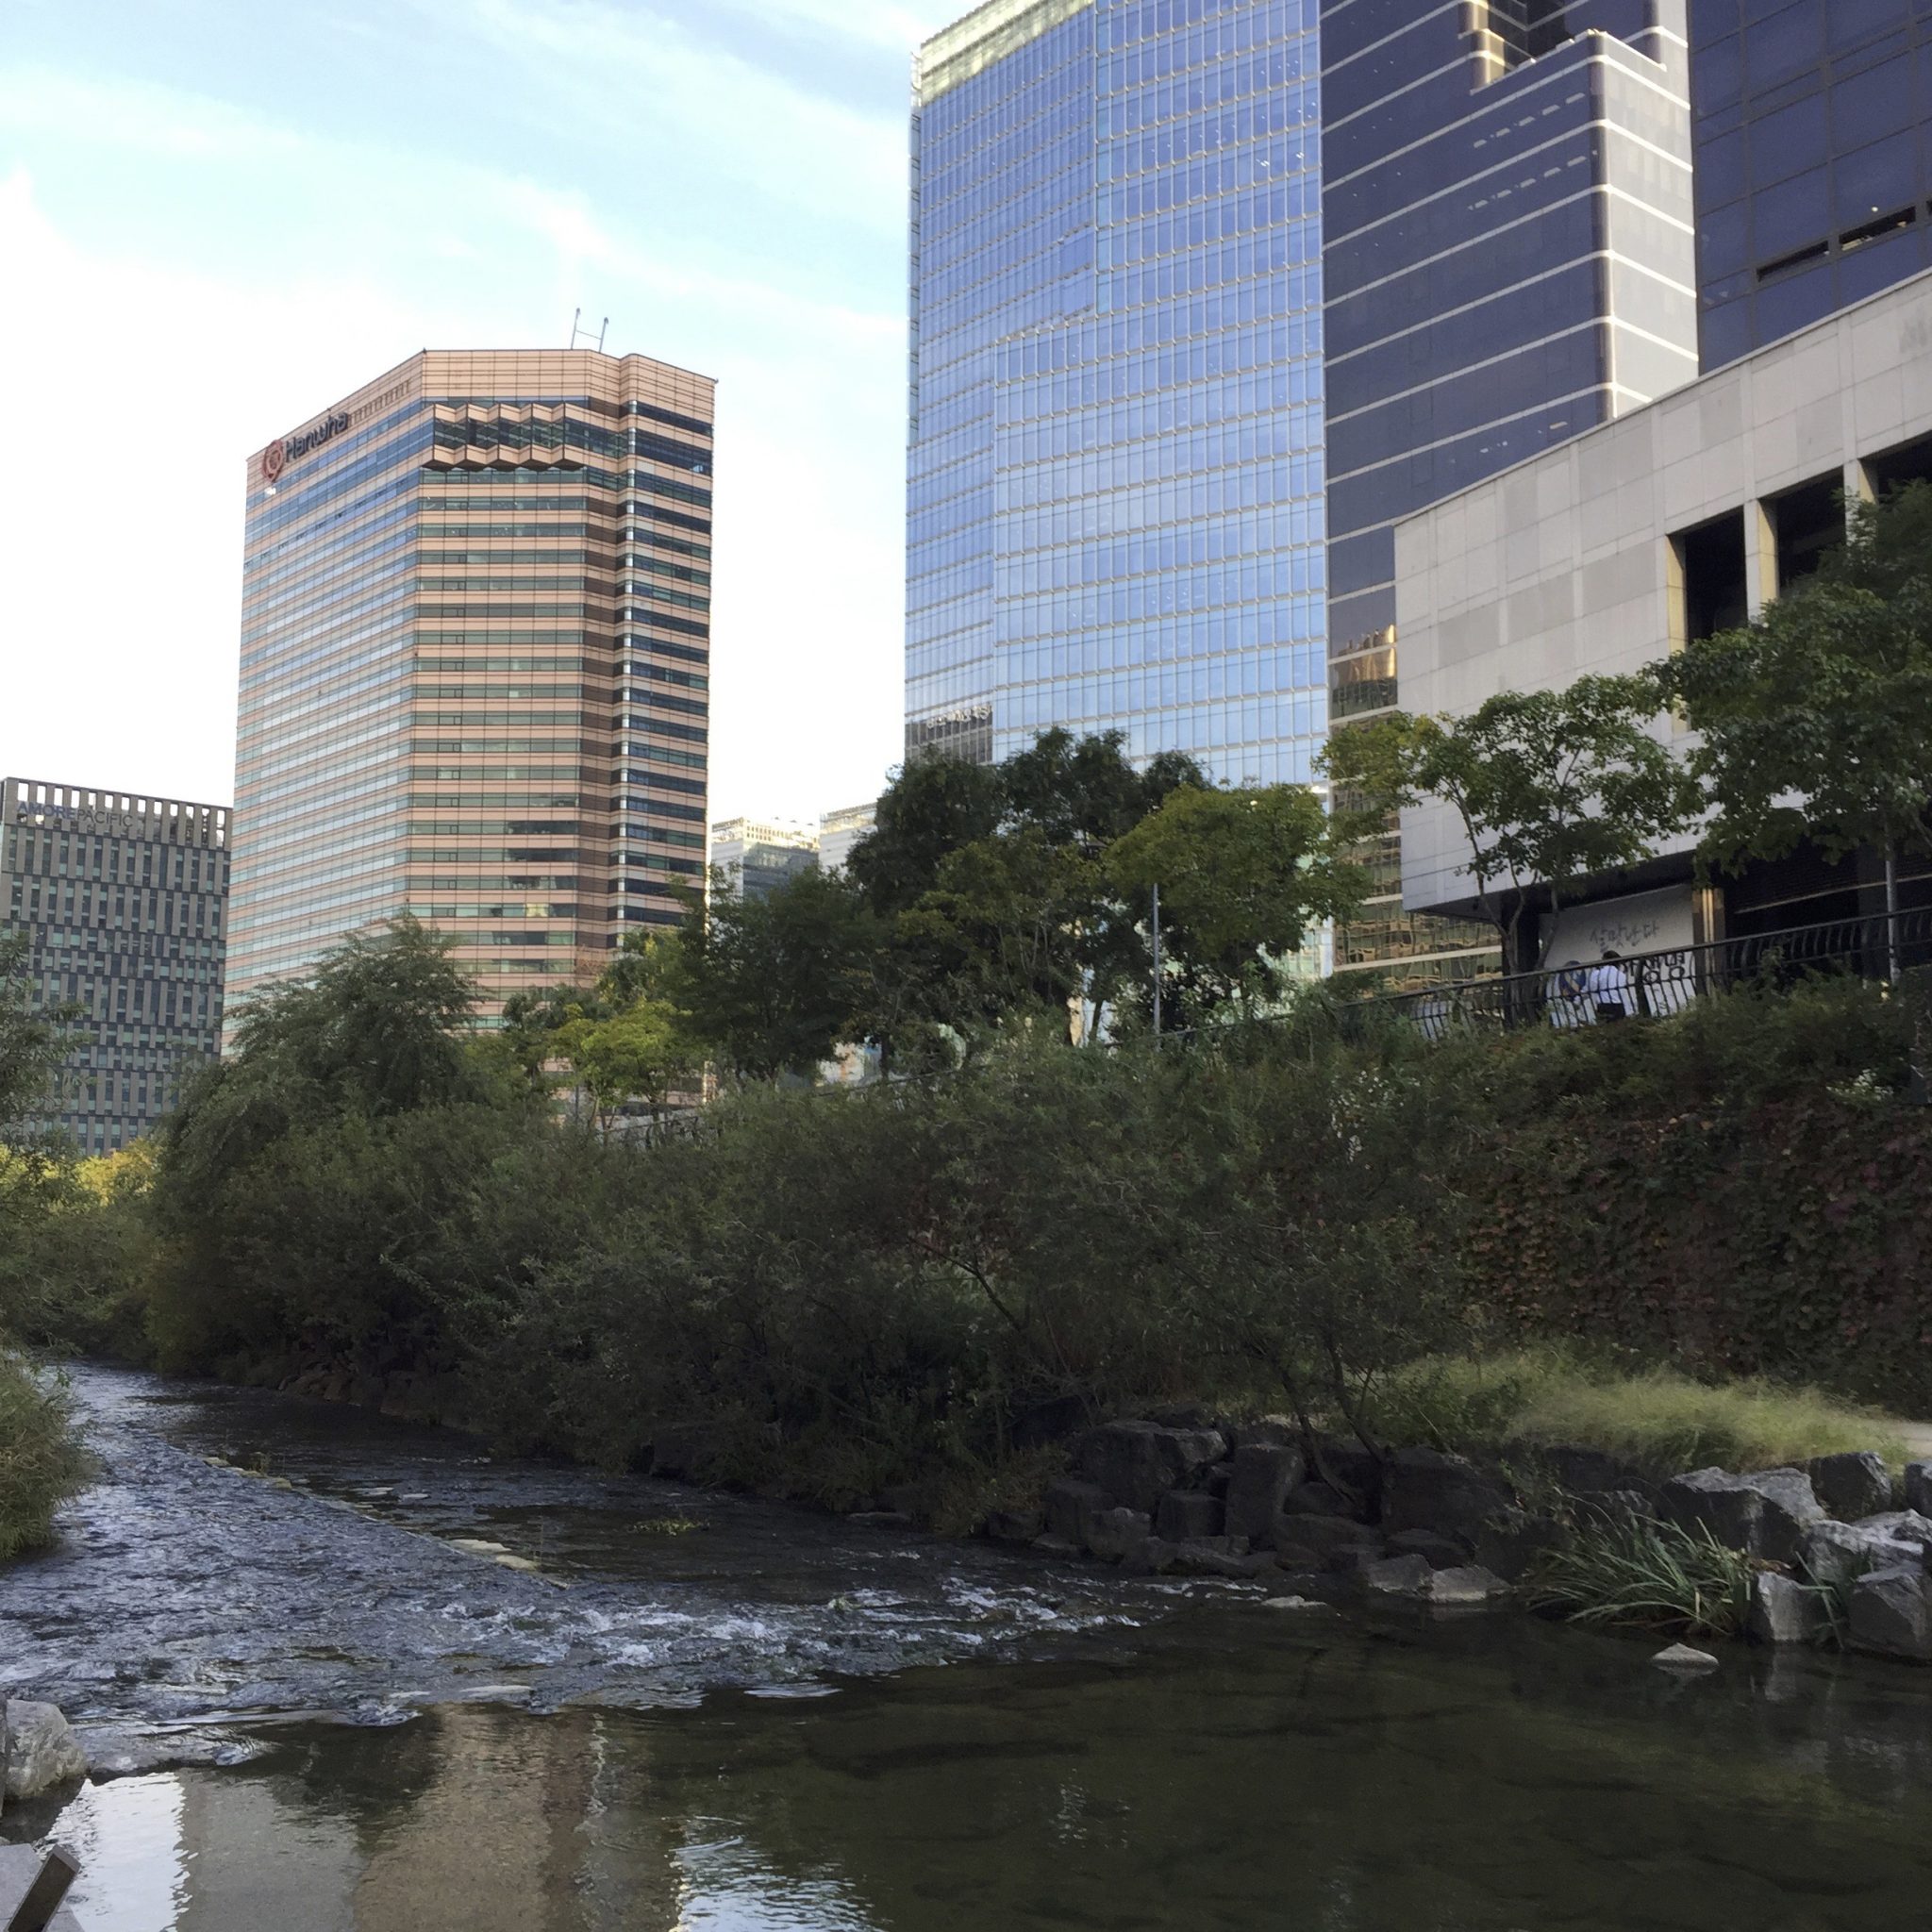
1656	984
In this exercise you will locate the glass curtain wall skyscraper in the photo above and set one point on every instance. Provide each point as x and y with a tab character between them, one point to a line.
1115	488
476	665
1814	160
1507	205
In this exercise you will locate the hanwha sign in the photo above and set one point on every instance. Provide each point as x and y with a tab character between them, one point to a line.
278	456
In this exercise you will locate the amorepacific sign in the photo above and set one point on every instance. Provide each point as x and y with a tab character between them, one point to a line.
278	456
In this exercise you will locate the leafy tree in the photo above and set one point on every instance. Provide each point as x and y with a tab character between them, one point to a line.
1242	874
935	804
1086	792
31	1040
1003	930
1549	786
378	1028
772	984
1815	720
532	1023
641	1054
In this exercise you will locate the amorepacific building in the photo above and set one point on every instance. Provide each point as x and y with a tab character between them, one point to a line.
475	666
1115	478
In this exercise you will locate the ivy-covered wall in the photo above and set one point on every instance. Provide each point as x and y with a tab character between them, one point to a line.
1789	1240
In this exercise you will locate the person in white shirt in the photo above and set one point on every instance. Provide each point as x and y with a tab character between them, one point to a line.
1607	990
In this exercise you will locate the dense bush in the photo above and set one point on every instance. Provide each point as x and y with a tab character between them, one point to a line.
41	1462
826	1293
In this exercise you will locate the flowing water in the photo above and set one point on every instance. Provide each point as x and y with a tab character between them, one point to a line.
405	1689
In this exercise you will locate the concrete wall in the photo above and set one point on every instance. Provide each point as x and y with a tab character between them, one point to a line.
1562	566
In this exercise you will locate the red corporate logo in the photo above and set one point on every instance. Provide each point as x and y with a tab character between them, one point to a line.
273	458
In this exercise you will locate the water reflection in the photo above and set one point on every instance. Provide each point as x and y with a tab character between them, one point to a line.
1236	1772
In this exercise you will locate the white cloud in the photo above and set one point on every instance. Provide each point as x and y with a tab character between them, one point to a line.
880	25
614	67
131	114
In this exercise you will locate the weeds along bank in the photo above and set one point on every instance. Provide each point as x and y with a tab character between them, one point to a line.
935	1282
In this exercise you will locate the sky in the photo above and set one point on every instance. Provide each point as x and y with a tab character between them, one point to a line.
217	216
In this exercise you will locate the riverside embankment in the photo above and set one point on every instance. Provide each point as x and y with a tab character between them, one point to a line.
695	1711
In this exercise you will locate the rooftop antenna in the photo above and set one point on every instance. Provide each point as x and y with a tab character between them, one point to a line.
578	332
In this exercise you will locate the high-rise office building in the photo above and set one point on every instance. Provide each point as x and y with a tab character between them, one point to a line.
1115	476
758	857
124	900
1508	264
476	646
839	831
1814	160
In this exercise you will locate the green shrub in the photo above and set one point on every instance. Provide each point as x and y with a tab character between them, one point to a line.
42	1461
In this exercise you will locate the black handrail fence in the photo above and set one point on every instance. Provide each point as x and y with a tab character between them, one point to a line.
1655	985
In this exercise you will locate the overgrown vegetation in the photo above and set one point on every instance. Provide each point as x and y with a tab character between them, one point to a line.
1633	1573
41	1462
933	1280
1658	1420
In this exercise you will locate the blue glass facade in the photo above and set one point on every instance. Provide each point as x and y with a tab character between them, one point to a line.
1116	482
1814	160
1508	209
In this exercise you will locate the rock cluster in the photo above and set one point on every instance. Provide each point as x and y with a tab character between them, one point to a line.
37	1749
1186	1496
1192	1498
1827	1531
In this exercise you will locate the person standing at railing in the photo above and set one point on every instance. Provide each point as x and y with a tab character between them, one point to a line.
1608	989
1568	998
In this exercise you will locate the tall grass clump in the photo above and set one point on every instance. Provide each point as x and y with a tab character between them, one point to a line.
1656	1420
41	1462
1637	1574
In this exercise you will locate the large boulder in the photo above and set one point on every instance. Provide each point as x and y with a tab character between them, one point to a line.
1511	1543
1111	1533
1901	1526
1188	1515
1344	1463
1423	1488
1583	1472
1462	1587
1138	1462
1918	1487
1891	1614
1852	1486
1015	1525
1835	1553
1071	1508
42	1753
1323	1534
1766	1514
1263	1475
1438	1552
1321	1499
1785	1611
1397	1576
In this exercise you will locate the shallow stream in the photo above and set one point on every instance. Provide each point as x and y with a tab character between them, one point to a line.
423	1690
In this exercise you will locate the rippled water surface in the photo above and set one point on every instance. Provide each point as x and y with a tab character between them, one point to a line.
773	1721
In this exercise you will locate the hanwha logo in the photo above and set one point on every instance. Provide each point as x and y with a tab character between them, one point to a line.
273	459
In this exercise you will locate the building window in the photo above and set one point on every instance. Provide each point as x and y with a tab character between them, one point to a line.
1709	577
1509	34
1807	523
